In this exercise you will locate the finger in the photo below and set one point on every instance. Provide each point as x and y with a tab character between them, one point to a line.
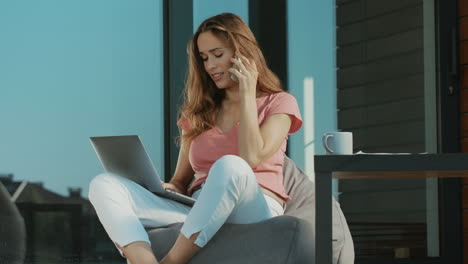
174	189
236	73
254	66
250	65
168	187
247	63
171	187
239	64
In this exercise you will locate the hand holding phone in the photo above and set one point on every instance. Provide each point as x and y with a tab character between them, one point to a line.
234	66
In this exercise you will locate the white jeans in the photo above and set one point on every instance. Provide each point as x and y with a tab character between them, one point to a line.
231	194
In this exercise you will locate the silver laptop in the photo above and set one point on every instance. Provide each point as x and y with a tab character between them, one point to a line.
126	156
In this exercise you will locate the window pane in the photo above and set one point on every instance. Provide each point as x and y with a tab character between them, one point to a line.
71	70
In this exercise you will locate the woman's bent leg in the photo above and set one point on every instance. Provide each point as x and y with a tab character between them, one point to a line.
230	194
126	208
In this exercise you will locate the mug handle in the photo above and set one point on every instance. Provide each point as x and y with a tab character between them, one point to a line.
325	142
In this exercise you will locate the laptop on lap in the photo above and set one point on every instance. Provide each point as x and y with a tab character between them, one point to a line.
126	156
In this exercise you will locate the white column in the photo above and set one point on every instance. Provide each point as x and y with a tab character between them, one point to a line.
309	126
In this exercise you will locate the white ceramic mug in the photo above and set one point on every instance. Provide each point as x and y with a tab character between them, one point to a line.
338	143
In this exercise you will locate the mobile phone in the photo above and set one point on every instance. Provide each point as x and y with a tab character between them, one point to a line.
233	77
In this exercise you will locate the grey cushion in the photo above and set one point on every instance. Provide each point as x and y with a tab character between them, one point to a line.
284	239
299	187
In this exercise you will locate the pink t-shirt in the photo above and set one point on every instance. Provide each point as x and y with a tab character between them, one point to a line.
213	144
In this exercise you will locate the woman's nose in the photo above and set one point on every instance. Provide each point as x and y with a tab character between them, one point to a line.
210	64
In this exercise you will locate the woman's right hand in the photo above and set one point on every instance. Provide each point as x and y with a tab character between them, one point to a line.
174	187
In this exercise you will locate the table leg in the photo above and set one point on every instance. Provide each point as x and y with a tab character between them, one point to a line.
323	218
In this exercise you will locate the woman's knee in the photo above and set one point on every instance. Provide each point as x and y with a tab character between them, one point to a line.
232	167
99	184
232	162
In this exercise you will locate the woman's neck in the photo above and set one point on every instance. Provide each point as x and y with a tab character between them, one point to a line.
232	95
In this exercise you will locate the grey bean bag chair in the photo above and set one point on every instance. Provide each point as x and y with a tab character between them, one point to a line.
12	230
285	239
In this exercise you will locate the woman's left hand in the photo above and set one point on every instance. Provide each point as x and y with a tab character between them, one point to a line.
247	75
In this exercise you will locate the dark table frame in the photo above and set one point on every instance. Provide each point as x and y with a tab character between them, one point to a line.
372	166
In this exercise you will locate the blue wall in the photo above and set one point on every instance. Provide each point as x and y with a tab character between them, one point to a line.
74	69
311	54
203	9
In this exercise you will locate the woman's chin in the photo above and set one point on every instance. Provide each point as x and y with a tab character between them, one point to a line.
226	85
222	85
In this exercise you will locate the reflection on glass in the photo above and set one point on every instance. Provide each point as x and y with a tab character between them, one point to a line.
59	229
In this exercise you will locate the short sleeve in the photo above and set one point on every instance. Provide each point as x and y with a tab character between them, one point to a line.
285	103
184	124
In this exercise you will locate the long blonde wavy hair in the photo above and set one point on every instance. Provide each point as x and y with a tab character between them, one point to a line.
202	99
